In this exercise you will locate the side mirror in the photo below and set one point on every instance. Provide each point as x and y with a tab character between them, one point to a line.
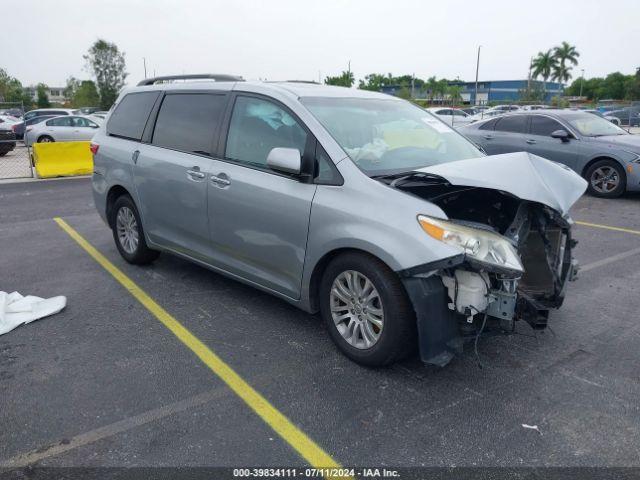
561	134
287	160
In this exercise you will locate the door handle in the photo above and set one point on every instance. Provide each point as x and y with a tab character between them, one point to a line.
134	157
221	181
195	173
488	137
531	141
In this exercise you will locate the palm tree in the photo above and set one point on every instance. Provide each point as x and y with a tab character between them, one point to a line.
563	54
544	65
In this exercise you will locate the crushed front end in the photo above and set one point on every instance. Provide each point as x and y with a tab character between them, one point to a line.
515	262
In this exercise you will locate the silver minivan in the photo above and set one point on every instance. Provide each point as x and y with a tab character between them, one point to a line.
361	206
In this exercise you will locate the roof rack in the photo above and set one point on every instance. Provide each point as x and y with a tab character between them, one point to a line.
193	76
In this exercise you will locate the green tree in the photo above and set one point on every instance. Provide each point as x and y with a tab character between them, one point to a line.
86	95
632	86
71	87
614	86
43	99
455	93
564	55
345	79
432	86
404	93
543	65
107	65
373	82
11	90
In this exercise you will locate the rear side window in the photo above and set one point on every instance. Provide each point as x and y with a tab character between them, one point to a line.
187	122
131	114
512	123
544	126
60	122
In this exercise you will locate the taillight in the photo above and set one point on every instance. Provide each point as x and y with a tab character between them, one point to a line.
94	147
14	127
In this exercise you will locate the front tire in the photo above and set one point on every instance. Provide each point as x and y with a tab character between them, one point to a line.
367	311
606	179
129	234
45	139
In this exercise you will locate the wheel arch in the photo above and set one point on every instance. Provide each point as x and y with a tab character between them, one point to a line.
590	163
320	267
115	192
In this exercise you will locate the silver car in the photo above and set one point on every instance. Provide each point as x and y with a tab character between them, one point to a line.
604	154
69	128
361	206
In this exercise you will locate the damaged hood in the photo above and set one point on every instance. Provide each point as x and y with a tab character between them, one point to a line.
521	174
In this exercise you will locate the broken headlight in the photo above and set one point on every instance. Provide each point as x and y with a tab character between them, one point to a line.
480	245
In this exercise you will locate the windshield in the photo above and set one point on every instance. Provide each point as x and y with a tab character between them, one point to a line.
594	126
389	136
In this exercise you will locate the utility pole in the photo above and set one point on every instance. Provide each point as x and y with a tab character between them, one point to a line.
477	69
581	81
144	63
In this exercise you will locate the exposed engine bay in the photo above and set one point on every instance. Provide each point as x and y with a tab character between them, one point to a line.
482	297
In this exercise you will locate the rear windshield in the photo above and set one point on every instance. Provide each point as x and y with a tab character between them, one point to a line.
130	116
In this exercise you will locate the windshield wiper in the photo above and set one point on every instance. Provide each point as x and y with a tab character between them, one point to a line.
397	179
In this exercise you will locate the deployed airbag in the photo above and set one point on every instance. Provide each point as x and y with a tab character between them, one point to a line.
16	309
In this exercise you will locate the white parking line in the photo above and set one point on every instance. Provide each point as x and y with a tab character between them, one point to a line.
608	260
92	436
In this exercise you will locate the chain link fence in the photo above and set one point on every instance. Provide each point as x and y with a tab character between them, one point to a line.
15	155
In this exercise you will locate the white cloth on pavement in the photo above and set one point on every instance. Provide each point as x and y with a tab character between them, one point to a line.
16	309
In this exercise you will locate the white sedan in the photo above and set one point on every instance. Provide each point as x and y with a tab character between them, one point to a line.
451	116
68	128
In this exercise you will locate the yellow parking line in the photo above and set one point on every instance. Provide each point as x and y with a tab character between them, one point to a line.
607	227
295	437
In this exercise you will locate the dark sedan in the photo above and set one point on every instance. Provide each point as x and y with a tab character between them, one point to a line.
604	154
20	128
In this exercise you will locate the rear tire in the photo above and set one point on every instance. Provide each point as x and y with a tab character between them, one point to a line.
388	336
45	139
606	179
129	234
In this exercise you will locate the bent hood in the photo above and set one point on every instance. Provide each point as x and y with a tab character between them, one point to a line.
521	174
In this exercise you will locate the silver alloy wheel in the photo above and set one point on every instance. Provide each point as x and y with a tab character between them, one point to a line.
127	229
605	179
356	309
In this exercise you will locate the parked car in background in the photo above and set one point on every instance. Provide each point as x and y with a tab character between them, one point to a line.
50	111
356	204
470	110
451	116
89	110
7	139
20	128
604	154
606	116
485	114
504	108
12	112
68	128
628	117
535	107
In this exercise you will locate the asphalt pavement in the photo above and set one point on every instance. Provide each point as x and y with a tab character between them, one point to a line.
104	383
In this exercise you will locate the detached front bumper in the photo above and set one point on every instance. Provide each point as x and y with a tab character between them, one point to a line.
455	297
